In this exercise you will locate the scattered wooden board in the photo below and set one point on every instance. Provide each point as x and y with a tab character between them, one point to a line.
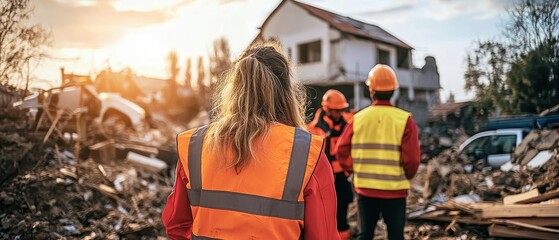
525	225
459	219
544	222
541	197
512	199
484	210
496	230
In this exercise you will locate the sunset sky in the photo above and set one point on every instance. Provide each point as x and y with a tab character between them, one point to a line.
89	35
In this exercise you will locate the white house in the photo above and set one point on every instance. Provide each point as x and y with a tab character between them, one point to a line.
333	51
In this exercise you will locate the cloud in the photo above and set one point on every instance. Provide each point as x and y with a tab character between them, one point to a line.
433	9
448	9
392	10
91	24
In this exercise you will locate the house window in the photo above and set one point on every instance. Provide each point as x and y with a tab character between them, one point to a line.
383	57
309	52
403	58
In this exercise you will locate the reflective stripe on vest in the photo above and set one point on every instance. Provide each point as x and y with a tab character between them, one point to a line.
376	148
289	207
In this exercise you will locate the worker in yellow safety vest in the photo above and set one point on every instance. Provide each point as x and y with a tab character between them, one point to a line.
381	148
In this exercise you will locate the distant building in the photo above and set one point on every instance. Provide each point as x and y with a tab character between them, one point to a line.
333	51
460	115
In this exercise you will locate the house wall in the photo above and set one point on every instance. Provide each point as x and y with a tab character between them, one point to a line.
292	26
358	56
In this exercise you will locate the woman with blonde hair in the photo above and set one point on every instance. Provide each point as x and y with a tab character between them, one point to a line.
253	172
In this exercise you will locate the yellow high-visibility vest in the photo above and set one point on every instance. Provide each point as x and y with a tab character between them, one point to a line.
376	147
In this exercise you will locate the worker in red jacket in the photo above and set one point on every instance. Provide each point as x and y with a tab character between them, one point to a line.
381	148
254	172
329	122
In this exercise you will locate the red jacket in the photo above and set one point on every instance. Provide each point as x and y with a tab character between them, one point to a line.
319	195
410	156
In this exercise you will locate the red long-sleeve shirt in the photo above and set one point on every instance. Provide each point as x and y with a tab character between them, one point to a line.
410	156
319	196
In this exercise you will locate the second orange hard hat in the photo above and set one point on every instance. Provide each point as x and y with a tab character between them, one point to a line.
334	99
382	78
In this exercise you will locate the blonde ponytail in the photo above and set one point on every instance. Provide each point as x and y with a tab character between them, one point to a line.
257	92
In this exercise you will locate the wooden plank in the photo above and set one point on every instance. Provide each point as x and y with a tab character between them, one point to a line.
525	225
510	232
512	199
452	205
541	197
515	210
544	222
459	219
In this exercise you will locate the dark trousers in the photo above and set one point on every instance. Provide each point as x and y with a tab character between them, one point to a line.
344	195
393	212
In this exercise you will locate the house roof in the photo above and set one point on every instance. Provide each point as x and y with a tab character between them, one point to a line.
346	24
438	112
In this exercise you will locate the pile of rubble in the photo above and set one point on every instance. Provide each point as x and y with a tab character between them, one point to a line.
46	192
434	141
19	149
83	200
517	200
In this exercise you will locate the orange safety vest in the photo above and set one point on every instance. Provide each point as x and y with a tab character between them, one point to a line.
376	148
263	201
324	131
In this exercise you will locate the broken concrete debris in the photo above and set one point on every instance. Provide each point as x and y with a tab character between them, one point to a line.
148	163
50	191
521	199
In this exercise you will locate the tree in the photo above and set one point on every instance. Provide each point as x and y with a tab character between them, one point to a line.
534	79
534	74
519	74
534	23
220	61
188	73
486	69
20	42
200	82
173	60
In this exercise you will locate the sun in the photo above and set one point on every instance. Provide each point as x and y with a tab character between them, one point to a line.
144	49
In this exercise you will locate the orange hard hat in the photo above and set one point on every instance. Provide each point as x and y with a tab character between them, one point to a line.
334	99
382	78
